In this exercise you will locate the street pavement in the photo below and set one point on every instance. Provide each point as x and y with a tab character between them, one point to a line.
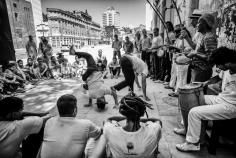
44	97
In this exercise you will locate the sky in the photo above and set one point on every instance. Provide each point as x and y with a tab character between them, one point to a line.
132	12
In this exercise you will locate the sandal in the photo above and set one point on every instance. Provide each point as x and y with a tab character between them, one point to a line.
186	147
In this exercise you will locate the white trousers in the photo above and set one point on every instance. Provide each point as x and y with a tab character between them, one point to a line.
182	73
216	109
173	78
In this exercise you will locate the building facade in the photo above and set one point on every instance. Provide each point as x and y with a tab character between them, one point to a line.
21	21
38	16
185	7
111	17
67	28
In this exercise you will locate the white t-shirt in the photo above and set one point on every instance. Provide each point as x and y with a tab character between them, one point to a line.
157	41
139	66
12	133
66	137
140	144
228	93
96	86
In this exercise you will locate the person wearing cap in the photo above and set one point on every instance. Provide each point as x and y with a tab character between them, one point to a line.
139	137
66	136
217	107
31	48
201	69
197	36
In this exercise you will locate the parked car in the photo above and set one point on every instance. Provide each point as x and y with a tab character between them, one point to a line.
65	48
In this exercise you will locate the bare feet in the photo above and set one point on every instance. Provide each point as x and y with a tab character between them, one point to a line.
147	99
113	93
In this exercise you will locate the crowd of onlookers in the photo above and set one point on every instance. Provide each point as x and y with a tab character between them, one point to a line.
183	59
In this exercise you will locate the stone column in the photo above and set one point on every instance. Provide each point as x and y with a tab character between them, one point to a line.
154	15
7	51
162	10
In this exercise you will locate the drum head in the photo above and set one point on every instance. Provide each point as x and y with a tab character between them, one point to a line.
191	86
182	60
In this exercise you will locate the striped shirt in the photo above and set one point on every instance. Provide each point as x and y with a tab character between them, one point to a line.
205	46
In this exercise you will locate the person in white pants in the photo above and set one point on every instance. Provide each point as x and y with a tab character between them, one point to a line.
219	107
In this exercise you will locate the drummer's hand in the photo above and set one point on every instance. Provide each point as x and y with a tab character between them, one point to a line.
204	84
184	34
191	54
187	49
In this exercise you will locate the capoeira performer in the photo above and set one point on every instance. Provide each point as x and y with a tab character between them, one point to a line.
132	66
94	82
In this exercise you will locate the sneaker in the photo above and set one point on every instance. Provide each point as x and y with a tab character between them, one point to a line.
165	83
180	131
186	147
158	81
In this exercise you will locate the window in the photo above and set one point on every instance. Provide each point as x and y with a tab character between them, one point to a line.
14	5
16	16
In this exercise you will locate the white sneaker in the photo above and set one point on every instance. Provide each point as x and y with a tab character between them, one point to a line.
180	131
185	147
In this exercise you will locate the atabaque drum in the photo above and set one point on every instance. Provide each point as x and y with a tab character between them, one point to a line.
190	95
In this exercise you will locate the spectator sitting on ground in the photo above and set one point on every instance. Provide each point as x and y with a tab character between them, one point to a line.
7	86
114	68
134	139
76	67
43	68
55	66
25	72
13	74
66	71
60	57
14	127
33	69
66	136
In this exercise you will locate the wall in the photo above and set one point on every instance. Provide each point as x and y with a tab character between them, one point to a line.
21	21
